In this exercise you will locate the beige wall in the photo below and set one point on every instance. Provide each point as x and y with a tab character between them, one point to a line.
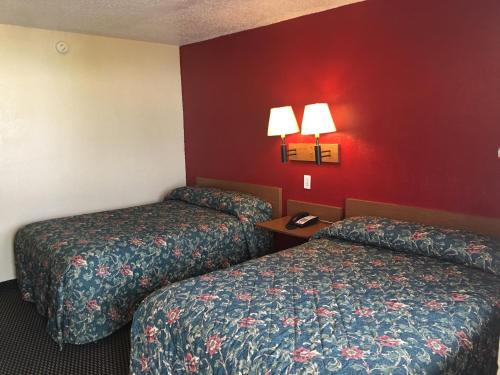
98	128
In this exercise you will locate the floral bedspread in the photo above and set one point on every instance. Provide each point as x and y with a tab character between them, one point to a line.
330	306
88	273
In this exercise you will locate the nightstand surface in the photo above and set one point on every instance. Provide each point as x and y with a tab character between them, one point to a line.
278	226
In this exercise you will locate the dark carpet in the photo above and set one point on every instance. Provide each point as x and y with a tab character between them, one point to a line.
26	348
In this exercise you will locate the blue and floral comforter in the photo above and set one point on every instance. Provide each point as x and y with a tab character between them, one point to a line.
366	295
88	273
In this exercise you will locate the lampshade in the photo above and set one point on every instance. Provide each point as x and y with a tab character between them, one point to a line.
282	121
317	119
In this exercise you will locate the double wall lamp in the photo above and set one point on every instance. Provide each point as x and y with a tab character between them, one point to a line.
317	120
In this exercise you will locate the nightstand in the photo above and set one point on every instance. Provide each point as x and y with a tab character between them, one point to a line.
328	213
278	226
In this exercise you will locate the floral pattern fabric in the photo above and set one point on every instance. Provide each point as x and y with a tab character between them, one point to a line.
249	210
325	307
88	273
457	246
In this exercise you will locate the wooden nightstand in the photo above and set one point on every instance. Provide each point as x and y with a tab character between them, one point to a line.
328	213
278	226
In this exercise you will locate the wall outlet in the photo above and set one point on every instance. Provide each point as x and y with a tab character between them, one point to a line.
307	182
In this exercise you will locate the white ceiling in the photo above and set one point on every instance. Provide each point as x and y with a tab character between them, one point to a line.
175	22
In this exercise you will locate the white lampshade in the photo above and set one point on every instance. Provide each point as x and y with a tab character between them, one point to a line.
282	121
317	119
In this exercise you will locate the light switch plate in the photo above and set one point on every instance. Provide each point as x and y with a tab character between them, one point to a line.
307	182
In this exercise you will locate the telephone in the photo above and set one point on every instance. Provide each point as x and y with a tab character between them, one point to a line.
301	219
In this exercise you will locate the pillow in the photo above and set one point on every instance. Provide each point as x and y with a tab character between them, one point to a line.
457	246
248	209
245	207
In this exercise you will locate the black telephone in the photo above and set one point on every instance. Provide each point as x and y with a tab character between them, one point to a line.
301	220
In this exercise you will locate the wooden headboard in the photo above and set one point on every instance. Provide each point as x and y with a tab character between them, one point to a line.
269	194
477	224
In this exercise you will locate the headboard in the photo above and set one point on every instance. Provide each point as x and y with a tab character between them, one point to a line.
477	224
269	194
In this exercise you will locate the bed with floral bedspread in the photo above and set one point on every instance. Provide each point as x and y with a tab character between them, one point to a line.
88	273
366	295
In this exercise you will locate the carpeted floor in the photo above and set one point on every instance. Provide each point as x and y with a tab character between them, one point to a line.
26	348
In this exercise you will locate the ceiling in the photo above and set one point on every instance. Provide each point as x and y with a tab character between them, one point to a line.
175	22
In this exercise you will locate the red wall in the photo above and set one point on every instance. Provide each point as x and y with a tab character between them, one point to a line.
414	88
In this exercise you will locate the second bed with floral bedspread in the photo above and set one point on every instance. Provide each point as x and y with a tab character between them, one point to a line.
367	295
88	273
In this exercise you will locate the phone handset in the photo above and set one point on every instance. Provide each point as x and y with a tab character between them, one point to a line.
300	220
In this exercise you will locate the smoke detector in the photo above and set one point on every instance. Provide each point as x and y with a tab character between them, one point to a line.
62	47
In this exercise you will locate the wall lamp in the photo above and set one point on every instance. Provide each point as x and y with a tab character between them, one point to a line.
282	121
317	120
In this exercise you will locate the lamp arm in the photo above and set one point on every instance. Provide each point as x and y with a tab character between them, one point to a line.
317	150
284	153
